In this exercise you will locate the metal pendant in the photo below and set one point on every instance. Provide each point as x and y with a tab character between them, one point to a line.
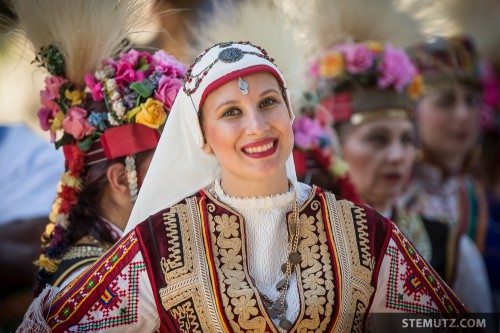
243	85
280	284
295	258
275	312
285	324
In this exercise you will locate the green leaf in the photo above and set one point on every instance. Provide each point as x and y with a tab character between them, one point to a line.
66	139
85	145
143	64
144	88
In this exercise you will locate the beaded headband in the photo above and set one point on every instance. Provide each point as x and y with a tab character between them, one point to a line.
228	53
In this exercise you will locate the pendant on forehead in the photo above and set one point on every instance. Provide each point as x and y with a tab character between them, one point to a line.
243	86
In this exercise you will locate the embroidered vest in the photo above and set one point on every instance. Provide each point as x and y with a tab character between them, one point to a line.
196	255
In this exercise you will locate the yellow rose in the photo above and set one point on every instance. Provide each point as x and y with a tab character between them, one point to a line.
331	64
57	122
75	97
151	113
416	87
375	47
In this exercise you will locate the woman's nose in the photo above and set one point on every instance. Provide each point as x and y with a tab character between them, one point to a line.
256	122
396	152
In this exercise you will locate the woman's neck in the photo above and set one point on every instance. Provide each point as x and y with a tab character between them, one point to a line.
449	164
246	188
381	206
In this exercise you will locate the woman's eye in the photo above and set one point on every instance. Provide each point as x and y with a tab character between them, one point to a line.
408	140
378	140
446	100
231	112
472	99
267	102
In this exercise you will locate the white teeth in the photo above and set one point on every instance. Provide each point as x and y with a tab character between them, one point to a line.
259	149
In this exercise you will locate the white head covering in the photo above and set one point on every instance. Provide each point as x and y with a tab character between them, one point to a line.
180	167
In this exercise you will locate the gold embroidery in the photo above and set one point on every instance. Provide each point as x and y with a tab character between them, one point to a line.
239	299
179	264
356	269
188	297
188	308
360	220
316	272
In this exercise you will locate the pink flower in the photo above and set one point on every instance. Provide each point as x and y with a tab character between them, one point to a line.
131	57
138	61
126	74
75	123
47	102
358	58
168	65
95	87
167	90
396	69
307	132
45	115
52	87
491	85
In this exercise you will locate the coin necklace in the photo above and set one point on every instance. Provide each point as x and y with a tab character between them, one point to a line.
277	308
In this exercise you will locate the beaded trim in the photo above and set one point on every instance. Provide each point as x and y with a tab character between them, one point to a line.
131	177
227	55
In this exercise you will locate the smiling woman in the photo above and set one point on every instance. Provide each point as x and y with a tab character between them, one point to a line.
224	239
250	136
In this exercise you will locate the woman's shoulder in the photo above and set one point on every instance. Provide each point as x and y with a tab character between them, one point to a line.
354	213
81	254
160	215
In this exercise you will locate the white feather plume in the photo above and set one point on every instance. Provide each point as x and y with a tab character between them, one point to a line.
261	23
328	22
84	31
479	19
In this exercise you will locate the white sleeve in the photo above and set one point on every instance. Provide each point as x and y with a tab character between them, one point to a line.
471	282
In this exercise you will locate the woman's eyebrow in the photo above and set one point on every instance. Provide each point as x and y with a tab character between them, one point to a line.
233	101
268	91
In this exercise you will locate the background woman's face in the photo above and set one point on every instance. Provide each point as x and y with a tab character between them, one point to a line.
251	135
380	154
448	121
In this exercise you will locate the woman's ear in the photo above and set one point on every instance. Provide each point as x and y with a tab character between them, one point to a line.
207	148
117	178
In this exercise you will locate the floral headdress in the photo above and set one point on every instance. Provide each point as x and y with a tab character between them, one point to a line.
317	151
447	61
359	81
117	113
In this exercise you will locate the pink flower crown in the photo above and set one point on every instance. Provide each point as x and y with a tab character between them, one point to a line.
137	88
368	65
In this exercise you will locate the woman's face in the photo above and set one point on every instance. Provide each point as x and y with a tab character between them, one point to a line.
251	135
380	154
448	121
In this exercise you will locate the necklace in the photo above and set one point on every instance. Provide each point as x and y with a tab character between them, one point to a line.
277	308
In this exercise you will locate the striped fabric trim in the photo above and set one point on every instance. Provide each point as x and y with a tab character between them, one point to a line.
74	301
448	301
212	271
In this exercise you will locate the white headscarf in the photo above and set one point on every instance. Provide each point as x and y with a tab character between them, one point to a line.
180	167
